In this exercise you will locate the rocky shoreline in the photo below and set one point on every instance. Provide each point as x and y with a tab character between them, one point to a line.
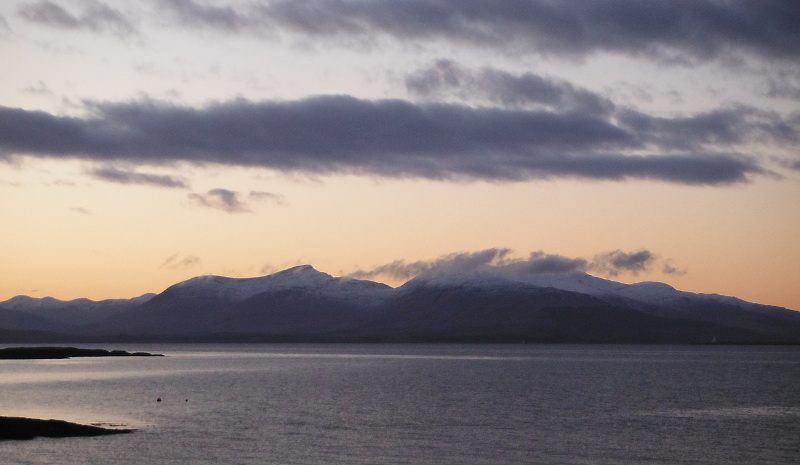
30	428
33	353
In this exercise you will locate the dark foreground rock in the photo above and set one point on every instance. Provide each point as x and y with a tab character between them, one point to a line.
26	353
29	428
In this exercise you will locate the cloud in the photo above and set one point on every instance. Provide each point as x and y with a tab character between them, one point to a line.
192	14
500	260
723	126
792	164
38	88
729	125
81	210
543	263
446	78
112	174
96	17
266	196
668	269
231	201
400	139
5	29
176	262
785	84
463	262
616	262
220	199
656	29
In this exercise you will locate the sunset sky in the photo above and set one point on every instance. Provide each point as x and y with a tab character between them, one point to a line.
144	142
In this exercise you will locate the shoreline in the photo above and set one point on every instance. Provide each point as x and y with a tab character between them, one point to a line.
21	428
52	352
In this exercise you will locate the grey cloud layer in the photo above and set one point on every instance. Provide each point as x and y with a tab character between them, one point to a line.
395	138
95	16
669	30
223	18
660	29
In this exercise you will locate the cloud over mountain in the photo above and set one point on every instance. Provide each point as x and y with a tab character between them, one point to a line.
502	261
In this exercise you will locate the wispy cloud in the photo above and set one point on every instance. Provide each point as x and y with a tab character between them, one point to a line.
262	196
446	78
220	199
121	176
232	201
396	138
178	262
222	18
95	16
81	210
5	29
38	88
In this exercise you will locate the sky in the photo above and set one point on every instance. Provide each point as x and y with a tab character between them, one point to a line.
146	142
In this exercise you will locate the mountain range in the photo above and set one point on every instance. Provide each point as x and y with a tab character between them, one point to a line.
302	304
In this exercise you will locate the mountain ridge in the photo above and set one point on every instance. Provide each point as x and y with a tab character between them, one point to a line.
304	304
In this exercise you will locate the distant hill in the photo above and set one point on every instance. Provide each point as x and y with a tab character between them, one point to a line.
303	304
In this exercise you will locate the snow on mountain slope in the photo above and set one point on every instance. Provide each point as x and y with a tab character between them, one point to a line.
304	277
651	297
34	305
75	312
573	281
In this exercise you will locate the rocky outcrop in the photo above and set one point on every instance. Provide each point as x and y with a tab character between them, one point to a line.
27	353
30	428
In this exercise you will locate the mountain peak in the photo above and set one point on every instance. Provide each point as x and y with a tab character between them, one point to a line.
300	270
238	289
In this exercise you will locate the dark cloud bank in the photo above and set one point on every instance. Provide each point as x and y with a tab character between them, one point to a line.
539	128
656	29
665	30
395	138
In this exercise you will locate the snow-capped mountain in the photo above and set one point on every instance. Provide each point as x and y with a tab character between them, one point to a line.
72	312
303	304
303	277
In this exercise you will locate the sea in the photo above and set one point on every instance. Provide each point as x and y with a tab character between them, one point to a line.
414	404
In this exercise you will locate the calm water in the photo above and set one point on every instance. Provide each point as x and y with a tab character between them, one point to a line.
416	404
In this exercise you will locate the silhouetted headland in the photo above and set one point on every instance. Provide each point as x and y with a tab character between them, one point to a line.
28	353
30	428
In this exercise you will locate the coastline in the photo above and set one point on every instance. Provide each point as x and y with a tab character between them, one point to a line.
51	352
20	428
